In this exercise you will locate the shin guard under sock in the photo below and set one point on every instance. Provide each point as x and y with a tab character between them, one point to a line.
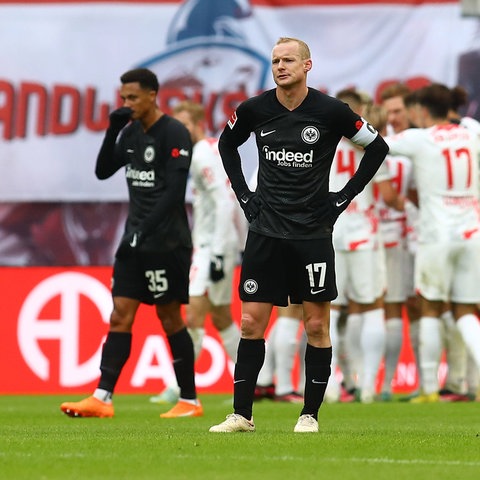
115	353
317	373
181	347
250	357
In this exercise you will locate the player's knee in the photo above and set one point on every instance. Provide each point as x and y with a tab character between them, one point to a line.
120	322
317	328
251	327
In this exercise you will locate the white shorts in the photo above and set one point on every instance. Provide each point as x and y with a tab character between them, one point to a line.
449	271
399	265
360	276
219	293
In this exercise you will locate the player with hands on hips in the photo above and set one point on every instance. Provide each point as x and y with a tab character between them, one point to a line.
153	260
289	252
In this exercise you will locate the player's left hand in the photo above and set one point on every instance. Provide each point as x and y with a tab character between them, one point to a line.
334	205
217	271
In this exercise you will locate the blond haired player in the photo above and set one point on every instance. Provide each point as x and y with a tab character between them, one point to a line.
215	241
397	230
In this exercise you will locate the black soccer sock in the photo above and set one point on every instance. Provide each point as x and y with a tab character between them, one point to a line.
115	353
317	373
181	346
250	358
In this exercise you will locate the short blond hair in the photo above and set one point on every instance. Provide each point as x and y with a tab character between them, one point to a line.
397	89
302	46
376	116
196	110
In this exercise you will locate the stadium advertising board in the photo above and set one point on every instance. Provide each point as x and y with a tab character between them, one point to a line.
54	321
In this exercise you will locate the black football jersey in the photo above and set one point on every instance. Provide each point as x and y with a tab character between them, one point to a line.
295	153
153	161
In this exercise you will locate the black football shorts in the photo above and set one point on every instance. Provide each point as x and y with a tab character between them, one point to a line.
154	278
275	269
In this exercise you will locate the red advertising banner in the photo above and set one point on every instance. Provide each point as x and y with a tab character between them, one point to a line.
53	325
54	321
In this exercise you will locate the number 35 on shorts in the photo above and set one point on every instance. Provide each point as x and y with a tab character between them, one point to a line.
157	282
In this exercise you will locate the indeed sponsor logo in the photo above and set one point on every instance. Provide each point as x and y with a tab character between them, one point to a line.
141	178
285	158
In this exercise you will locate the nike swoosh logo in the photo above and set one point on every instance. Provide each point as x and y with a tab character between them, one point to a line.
158	295
314	292
264	134
238	381
133	243
319	383
339	204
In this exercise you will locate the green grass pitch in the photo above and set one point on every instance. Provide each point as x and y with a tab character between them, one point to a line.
393	440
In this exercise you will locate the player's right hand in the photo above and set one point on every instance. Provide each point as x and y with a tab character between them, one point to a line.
250	204
120	117
217	268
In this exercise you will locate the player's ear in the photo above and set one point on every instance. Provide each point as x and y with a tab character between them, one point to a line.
307	65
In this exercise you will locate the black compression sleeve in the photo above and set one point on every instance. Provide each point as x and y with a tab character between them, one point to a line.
373	157
106	165
233	166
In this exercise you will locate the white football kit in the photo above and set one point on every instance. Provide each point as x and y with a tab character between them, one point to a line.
214	231
396	228
445	166
359	257
474	126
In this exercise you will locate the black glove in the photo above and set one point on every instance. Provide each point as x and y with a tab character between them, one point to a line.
334	205
130	244
250	204
216	268
119	118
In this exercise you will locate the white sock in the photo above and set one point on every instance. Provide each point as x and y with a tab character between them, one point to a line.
197	334
473	376
393	346
414	333
103	395
191	401
230	337
332	392
456	354
265	377
373	348
469	327
285	346
342	354
430	352
353	348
